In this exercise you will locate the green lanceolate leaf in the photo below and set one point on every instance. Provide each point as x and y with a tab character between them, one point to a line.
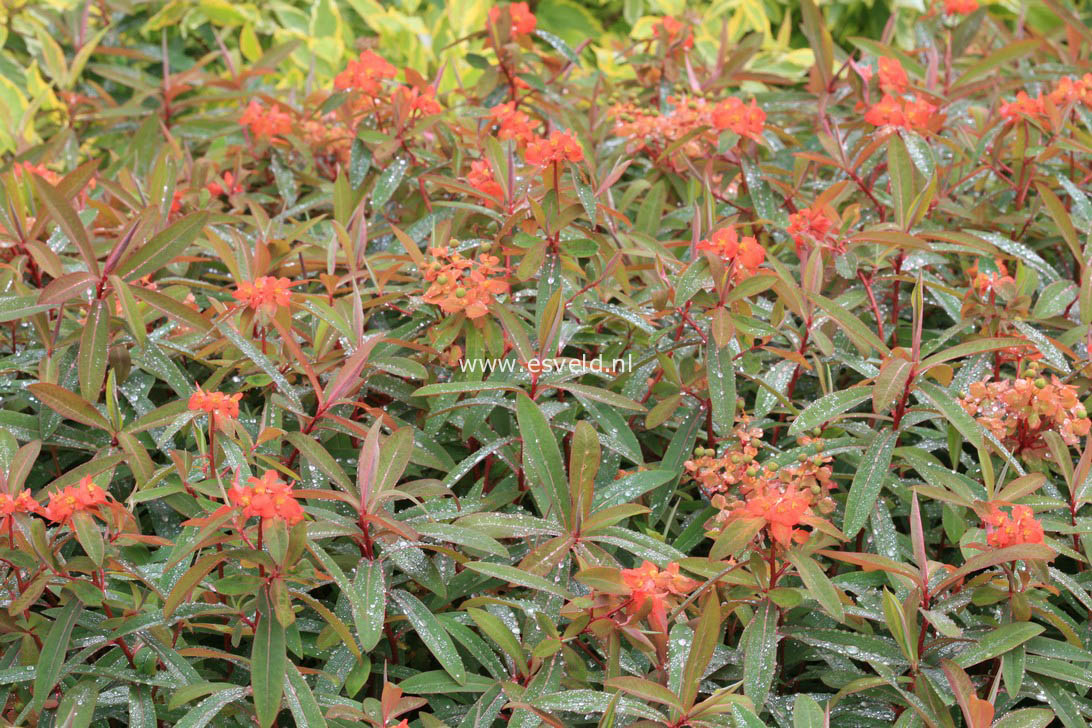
268	662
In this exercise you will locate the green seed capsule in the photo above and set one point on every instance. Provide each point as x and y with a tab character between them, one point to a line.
1040	382
460	292
1080	412
442	280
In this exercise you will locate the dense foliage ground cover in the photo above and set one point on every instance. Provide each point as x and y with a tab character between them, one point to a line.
537	386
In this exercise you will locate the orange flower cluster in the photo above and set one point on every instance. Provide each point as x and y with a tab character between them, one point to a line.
523	20
1004	529
84	497
266	497
1019	411
413	99
813	226
265	294
218	406
696	118
463	284
648	582
365	74
266	123
511	123
782	498
22	503
21	168
234	186
482	179
561	146
743	255
895	111
1067	93
960	7
893	79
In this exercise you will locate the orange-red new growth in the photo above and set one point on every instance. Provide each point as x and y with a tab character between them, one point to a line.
266	123
266	497
523	20
83	497
218	406
1019	527
265	294
365	74
561	146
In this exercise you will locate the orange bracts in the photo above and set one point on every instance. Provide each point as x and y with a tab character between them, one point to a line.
1005	529
365	74
1020	411
265	295
914	113
482	179
745	253
80	498
813	227
266	123
463	284
893	79
22	503
218	406
512	123
266	497
561	146
523	20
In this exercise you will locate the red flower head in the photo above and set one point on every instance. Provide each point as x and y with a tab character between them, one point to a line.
523	20
560	146
265	294
513	124
1003	529
218	406
893	77
266	123
887	112
365	74
266	497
